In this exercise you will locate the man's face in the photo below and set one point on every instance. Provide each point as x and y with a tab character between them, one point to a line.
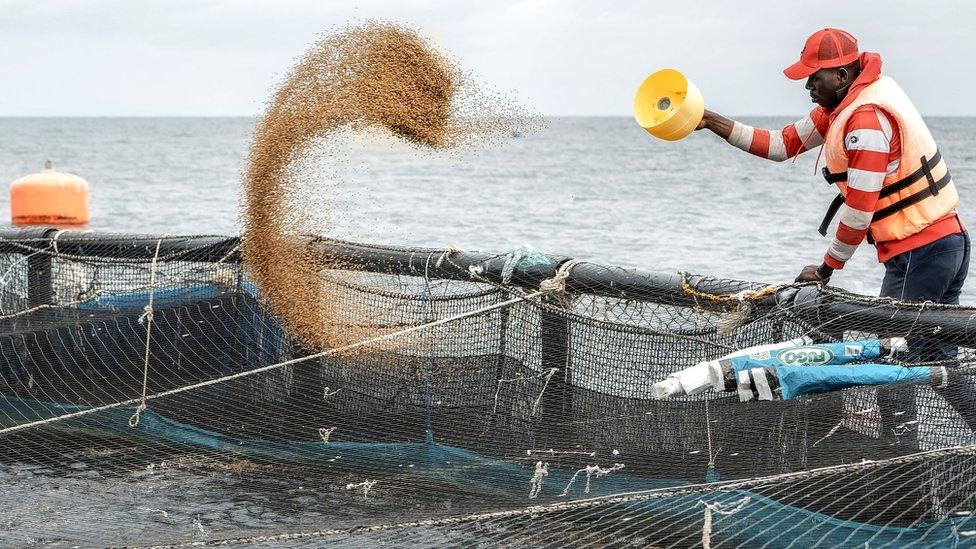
823	86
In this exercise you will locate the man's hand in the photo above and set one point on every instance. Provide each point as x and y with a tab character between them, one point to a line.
815	273
717	123
704	122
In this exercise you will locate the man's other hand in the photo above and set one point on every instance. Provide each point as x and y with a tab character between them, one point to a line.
815	273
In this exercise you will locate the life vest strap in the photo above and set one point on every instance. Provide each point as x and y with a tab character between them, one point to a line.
928	175
925	170
932	190
831	212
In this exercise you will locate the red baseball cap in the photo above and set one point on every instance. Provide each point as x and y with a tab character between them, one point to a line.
824	49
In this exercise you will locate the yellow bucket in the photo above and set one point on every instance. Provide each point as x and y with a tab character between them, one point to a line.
668	105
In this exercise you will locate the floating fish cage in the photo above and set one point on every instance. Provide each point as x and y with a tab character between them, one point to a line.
488	412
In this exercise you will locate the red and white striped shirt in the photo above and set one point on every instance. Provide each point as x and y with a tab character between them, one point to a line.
873	149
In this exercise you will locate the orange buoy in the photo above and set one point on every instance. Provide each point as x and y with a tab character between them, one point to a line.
49	198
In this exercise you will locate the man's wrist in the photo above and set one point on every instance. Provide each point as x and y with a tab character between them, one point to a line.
824	271
718	124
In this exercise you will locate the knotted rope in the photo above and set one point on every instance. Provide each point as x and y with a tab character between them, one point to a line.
59	232
738	304
54	239
735	297
535	483
557	284
147	315
449	250
722	510
712	454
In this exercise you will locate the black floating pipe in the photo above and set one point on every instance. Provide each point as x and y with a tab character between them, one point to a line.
831	314
589	278
432	262
134	247
950	325
608	281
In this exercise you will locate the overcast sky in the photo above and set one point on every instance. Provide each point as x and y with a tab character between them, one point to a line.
560	57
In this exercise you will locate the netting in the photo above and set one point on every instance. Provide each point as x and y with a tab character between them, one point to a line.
148	398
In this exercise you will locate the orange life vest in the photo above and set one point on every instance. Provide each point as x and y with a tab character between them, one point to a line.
919	193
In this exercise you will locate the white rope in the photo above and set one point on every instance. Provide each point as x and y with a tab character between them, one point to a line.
498	389
722	510
325	433
228	254
557	284
366	485
590	470
59	232
840	424
538	400
54	240
148	316
708	432
94	295
271	367
535	483
449	250
829	434
25	257
555	452
707	528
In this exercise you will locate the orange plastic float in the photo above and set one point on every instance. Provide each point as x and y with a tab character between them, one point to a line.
49	198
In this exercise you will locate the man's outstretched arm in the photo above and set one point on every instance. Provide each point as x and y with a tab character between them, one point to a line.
778	145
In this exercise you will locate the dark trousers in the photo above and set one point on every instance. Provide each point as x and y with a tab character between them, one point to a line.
935	272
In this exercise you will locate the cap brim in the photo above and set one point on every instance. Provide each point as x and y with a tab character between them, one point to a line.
799	71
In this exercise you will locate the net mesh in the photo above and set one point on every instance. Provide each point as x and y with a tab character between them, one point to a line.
147	398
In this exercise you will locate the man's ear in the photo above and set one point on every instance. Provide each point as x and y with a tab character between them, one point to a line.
843	75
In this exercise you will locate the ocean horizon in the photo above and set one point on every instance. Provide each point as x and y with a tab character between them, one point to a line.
594	187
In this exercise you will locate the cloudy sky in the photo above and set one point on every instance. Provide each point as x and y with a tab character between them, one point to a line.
560	57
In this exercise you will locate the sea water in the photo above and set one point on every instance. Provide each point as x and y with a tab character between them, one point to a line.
594	188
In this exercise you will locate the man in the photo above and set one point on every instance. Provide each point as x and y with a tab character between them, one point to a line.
895	191
895	188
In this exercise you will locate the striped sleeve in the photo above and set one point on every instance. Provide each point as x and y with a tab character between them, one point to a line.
867	140
779	145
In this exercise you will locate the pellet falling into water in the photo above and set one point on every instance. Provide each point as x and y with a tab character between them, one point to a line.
377	75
